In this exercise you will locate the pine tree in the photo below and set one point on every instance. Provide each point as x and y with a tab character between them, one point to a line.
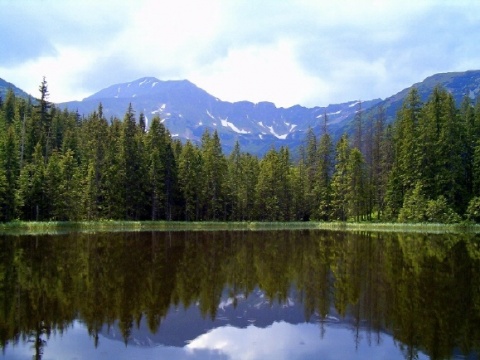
43	128
405	169
249	174
10	164
114	174
449	173
471	134
133	161
311	164
8	107
30	195
234	184
323	177
214	169
190	181
380	162
340	180
356	195
286	192
268	185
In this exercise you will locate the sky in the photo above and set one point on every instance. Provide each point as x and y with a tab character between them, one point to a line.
307	52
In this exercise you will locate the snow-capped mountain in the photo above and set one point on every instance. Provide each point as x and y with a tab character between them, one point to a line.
187	111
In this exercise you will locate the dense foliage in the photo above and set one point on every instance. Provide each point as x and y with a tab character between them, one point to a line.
55	165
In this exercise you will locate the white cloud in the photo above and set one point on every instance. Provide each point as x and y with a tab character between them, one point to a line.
268	73
288	52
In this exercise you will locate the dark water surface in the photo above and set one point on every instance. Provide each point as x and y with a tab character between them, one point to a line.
240	295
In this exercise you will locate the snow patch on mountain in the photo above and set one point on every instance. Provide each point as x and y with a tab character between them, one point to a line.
210	115
336	112
272	131
226	123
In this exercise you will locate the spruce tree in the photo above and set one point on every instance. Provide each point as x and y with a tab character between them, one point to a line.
340	180
214	169
190	181
323	177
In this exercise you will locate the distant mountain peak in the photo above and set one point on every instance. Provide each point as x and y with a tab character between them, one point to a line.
145	86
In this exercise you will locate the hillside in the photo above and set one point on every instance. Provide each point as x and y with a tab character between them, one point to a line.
459	84
5	86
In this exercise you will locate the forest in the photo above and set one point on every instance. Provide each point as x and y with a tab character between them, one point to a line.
56	165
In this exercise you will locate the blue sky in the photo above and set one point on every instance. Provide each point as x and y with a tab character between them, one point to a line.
285	51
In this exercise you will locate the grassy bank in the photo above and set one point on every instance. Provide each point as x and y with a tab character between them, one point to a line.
23	227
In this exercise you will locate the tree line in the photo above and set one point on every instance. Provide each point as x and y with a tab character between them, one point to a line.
58	165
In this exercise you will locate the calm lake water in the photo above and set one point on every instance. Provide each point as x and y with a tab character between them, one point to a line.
240	295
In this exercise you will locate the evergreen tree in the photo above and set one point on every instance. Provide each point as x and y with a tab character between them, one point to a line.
356	195
214	168
43	128
449	174
415	205
114	174
311	164
30	195
190	181
380	162
358	139
234	183
9	159
340	181
405	171
8	107
323	177
471	134
267	189
132	159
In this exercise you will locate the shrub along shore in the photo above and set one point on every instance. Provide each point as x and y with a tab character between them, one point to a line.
52	227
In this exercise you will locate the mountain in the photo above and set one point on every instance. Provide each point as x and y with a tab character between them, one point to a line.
186	110
5	86
459	84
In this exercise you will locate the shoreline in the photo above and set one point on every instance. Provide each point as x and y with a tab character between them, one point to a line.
52	227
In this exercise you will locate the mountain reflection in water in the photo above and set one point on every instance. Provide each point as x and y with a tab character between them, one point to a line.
279	294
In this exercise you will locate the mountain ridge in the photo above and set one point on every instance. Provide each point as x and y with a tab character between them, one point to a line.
187	111
458	83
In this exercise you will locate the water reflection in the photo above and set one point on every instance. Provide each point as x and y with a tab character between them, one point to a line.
419	294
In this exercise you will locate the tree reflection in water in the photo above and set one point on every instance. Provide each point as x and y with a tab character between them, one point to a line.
424	290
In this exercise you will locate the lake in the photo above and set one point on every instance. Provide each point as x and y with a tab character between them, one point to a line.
302	294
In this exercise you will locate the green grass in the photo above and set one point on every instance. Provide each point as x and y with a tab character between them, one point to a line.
25	227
